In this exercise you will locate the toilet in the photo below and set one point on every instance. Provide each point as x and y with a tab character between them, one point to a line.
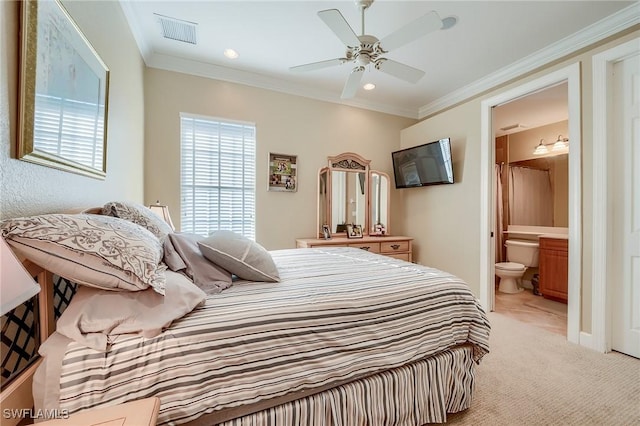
521	254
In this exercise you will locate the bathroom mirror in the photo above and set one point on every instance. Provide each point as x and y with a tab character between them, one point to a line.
379	202
343	189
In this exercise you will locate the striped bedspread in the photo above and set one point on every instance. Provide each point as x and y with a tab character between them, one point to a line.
338	314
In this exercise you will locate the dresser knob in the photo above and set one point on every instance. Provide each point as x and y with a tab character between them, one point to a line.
395	246
365	248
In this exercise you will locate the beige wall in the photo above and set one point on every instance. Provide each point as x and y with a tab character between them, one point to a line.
285	124
445	220
27	188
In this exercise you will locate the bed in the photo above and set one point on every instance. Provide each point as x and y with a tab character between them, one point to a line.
343	337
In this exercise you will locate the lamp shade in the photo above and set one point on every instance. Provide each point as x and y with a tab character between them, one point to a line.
16	284
541	148
163	212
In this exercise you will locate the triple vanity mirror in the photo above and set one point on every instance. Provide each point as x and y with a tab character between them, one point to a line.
351	193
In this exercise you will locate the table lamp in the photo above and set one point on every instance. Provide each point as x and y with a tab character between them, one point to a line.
16	284
163	212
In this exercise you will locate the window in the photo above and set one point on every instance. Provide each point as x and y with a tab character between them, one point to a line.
218	173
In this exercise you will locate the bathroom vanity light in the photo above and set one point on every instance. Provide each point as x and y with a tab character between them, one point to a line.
561	144
541	148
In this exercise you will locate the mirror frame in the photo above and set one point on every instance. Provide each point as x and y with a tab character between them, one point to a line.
32	74
387	226
345	162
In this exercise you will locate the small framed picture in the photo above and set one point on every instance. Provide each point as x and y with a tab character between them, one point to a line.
326	232
283	172
354	231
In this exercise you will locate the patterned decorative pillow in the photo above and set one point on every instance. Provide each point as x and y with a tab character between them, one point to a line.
140	215
94	250
240	256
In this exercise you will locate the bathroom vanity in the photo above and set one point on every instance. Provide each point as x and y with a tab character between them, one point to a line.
554	267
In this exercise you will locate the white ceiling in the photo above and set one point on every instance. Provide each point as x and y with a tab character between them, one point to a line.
491	43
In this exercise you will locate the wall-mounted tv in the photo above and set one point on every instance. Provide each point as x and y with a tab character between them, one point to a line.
422	165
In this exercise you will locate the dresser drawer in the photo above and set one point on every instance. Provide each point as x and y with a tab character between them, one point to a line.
371	247
401	256
394	246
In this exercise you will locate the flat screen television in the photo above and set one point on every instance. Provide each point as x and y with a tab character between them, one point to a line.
423	165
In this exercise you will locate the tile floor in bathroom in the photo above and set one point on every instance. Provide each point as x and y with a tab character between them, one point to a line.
532	309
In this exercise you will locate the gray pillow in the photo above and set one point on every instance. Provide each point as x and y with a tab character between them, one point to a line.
240	256
94	250
208	276
140	215
94	318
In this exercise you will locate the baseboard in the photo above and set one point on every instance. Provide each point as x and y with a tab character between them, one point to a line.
586	340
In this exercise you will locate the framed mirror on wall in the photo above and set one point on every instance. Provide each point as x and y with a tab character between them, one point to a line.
64	88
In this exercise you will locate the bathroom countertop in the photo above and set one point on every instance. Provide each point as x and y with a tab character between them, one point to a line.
556	236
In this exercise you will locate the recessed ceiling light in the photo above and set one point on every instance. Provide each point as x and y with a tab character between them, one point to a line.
369	86
230	53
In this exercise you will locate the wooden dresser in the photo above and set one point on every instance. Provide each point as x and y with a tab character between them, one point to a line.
398	247
554	268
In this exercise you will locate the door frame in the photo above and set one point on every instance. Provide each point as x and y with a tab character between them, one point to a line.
571	75
602	65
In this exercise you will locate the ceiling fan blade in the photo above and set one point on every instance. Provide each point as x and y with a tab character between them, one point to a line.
351	86
336	22
412	31
401	71
318	65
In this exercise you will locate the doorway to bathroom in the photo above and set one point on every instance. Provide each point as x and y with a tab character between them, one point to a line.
531	193
570	77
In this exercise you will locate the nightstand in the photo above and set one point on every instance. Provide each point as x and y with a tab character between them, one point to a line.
143	412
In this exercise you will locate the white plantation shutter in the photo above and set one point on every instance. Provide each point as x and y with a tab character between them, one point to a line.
218	170
70	129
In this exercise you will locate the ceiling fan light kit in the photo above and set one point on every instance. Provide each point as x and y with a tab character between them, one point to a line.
365	49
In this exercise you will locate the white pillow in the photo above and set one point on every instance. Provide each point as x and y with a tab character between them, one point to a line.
240	256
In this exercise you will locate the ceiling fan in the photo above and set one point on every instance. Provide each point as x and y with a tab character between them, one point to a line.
366	49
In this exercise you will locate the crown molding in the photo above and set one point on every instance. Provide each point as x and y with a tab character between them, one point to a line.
138	36
613	24
261	81
594	33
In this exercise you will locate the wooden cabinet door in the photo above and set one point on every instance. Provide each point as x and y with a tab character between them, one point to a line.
554	273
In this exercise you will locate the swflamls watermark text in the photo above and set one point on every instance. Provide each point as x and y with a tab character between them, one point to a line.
26	413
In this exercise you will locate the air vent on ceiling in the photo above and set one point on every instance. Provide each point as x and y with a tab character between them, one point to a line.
513	127
177	29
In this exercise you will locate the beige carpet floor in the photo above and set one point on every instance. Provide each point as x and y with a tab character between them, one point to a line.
534	377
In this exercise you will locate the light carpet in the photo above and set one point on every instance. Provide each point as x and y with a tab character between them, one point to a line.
534	377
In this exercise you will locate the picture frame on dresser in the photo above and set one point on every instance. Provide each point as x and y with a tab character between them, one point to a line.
326	232
354	231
